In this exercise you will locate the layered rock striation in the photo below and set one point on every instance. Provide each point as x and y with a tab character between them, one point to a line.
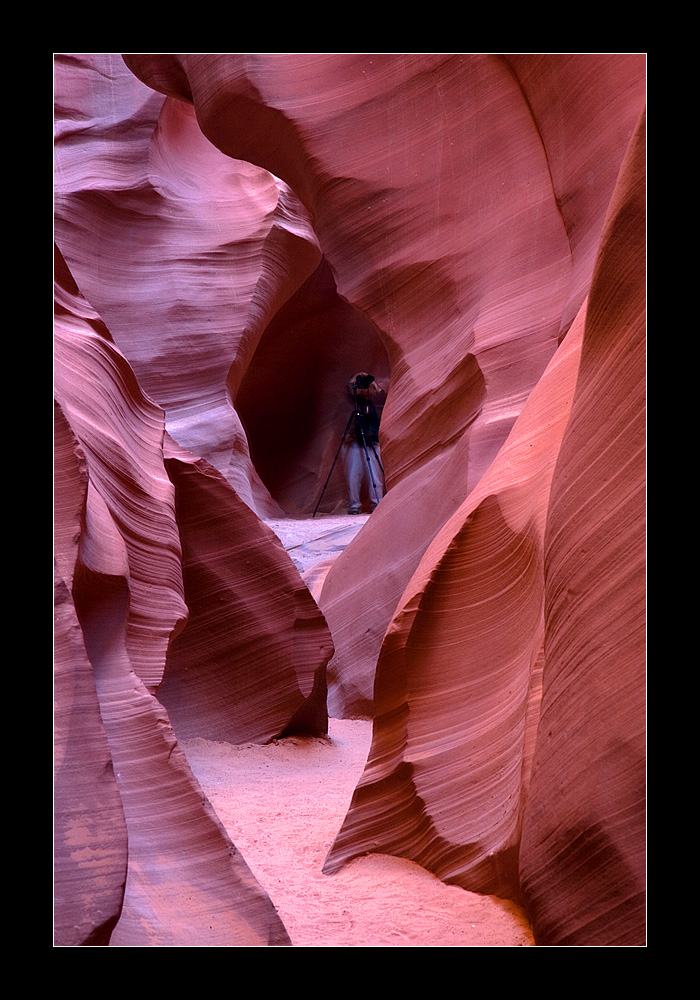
141	857
240	233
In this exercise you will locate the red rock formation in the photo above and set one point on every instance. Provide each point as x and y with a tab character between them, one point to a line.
583	855
255	648
275	217
291	399
550	545
469	246
128	527
141	858
459	379
90	835
458	680
207	247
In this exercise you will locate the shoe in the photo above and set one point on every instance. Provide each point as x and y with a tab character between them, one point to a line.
353	510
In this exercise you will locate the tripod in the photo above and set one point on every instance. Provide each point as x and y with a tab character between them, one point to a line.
359	423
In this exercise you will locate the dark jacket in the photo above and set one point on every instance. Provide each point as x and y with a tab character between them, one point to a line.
366	416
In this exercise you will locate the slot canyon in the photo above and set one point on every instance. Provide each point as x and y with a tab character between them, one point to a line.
276	722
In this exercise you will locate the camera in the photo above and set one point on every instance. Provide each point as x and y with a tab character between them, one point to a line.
364	381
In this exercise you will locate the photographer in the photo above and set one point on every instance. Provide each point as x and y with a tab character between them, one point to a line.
361	458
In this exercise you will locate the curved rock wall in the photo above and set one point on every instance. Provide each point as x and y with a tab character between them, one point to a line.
126	873
248	230
461	212
251	663
459	676
207	247
583	854
509	738
290	399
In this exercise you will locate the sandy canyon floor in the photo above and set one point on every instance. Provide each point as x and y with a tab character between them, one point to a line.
283	804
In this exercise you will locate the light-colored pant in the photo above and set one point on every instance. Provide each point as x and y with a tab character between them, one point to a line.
357	474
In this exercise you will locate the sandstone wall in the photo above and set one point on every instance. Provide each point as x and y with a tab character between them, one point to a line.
240	233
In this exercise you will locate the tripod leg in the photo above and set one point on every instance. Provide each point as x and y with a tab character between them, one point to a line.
347	428
377	498
374	452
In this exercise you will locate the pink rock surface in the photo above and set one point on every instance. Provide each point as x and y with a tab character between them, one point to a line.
584	840
141	858
291	401
470	248
255	647
90	834
248	230
458	682
508	752
128	525
207	246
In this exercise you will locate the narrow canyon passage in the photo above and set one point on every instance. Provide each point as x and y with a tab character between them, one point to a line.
241	240
283	803
314	543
